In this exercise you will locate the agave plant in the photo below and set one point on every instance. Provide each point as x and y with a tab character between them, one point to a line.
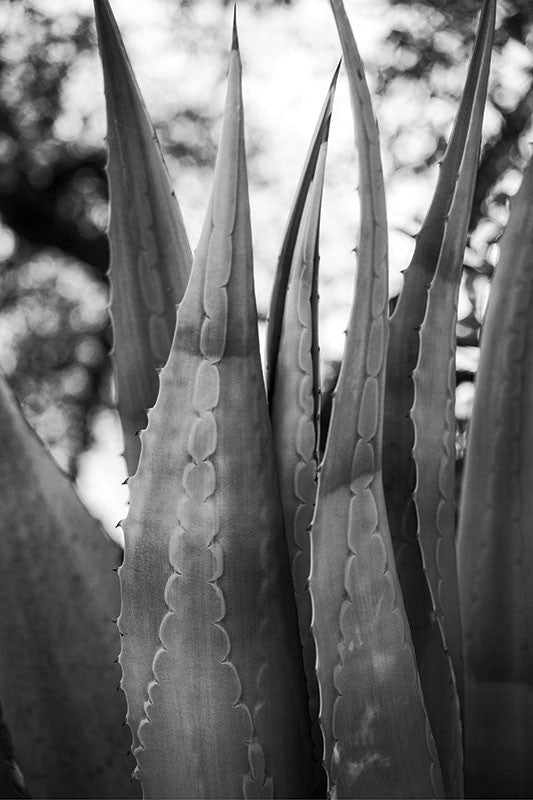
291	620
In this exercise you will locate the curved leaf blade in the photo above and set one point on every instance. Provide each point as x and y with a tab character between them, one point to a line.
434	411
378	742
294	414
150	253
219	708
58	597
405	323
281	280
424	567
494	544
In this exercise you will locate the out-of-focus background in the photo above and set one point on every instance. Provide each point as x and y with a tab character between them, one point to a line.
54	327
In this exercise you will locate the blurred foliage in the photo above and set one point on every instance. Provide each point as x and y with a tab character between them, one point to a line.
53	347
53	195
52	191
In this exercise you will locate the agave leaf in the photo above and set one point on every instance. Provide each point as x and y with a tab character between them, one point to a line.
281	280
378	741
403	347
434	379
294	411
212	661
58	597
495	546
441	241
150	253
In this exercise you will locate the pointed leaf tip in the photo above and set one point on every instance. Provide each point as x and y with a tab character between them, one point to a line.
103	14
336	73
235	37
277	304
